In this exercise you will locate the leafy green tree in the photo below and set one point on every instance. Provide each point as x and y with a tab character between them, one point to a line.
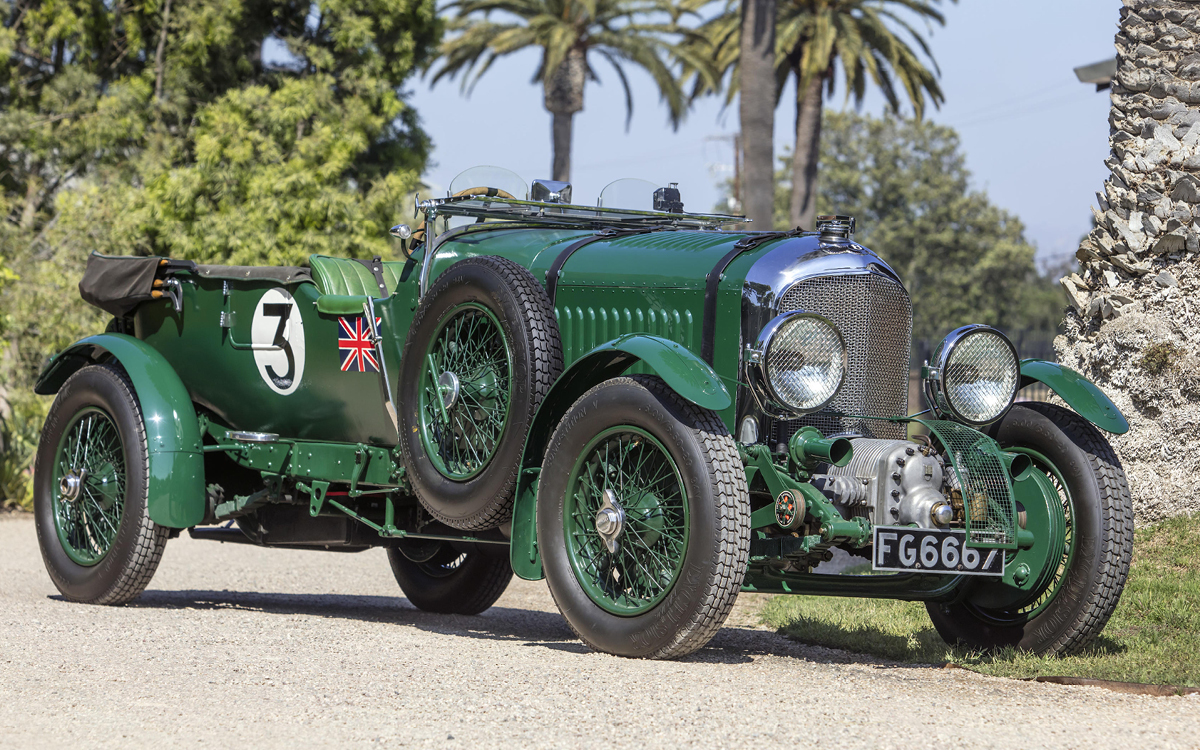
813	37
963	259
571	35
155	127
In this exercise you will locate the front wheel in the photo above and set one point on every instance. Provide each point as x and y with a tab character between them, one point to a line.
1057	595
643	520
90	491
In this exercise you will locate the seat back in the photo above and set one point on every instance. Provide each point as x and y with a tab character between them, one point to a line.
345	276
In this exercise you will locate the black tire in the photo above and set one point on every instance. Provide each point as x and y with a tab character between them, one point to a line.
714	563
520	305
1101	520
449	582
125	569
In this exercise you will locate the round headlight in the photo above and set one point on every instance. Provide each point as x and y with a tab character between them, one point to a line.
802	361
976	375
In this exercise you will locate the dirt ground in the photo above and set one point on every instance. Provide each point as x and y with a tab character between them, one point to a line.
234	645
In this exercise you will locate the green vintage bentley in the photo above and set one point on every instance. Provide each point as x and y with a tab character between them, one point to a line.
651	409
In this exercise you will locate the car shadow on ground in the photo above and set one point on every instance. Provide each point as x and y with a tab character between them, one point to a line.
529	627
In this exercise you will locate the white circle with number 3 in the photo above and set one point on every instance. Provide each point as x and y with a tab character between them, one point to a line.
277	334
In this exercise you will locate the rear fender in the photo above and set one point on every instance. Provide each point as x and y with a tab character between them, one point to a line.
176	493
1081	394
686	374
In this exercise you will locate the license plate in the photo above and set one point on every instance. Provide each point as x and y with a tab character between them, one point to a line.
905	549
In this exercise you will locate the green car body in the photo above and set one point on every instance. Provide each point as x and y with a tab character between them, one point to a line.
681	303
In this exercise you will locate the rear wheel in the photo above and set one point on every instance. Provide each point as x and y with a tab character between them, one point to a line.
643	520
436	577
90	491
1057	595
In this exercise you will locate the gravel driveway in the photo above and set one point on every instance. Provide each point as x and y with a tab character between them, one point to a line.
234	645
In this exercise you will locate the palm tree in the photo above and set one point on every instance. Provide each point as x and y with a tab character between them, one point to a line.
811	37
756	108
571	33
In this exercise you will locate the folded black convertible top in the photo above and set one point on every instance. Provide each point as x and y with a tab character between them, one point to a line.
119	283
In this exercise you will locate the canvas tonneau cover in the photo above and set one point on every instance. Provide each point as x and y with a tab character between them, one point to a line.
119	283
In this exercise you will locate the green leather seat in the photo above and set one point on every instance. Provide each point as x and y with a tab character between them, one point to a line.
344	276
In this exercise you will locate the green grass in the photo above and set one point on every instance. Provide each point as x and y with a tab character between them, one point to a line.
1153	636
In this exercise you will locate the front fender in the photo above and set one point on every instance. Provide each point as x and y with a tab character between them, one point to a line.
1081	394
686	374
176	493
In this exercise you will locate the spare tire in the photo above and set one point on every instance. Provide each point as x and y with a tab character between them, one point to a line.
481	354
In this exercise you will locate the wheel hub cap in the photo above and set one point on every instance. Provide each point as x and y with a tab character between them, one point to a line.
610	521
70	485
449	387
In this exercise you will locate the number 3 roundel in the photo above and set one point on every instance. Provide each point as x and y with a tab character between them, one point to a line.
278	336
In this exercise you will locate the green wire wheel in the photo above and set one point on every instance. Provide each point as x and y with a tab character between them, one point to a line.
643	519
89	472
1033	575
91	485
626	519
466	389
1058	592
481	355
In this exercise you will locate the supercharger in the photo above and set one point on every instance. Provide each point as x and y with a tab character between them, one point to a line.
892	482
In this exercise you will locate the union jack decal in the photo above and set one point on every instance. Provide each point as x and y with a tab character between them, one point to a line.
354	345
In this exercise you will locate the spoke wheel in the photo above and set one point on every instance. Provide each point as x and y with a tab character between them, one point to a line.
1056	596
481	354
1034	576
643	520
91	490
466	389
89	473
441	578
626	484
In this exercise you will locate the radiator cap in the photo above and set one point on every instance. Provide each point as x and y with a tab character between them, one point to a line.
835	227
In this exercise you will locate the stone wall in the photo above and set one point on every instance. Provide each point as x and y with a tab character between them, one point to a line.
1134	322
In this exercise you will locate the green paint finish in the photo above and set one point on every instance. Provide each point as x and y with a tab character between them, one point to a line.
89	474
679	367
1034	575
340	304
629	468
535	249
222	373
523	551
685	372
658	260
833	527
314	460
466	388
172	432
1081	394
587	320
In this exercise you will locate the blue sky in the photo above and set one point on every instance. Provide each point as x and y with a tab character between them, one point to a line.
1035	137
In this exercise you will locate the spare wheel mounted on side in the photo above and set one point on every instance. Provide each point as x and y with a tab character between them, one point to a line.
482	352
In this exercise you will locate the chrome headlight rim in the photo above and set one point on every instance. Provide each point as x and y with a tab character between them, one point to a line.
768	398
935	381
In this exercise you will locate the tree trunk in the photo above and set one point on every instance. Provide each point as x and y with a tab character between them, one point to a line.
1134	322
803	209
563	97
561	134
756	109
159	69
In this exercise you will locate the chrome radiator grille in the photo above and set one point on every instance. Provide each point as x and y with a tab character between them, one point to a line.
875	316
